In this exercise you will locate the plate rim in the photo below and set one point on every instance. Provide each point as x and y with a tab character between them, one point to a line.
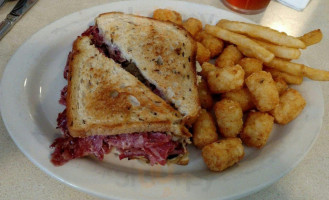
52	174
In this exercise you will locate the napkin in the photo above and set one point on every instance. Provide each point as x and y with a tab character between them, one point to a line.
295	4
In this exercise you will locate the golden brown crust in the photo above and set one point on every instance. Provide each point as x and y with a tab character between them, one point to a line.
109	105
148	44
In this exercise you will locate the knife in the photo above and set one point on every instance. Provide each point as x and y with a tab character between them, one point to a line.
17	12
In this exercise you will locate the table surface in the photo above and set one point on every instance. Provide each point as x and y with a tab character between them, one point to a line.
20	179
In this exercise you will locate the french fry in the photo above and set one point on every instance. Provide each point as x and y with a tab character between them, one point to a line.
280	51
246	51
315	74
298	69
291	68
288	78
257	50
261	32
312	37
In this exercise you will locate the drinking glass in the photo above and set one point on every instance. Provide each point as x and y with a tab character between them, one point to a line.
247	6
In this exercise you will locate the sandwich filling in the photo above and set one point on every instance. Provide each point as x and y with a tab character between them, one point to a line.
155	147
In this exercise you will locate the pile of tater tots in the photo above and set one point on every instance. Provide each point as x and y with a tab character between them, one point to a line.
243	85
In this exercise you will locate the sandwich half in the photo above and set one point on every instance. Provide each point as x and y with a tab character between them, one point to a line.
161	54
109	108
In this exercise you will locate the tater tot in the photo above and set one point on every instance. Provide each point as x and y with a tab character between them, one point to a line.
223	154
213	44
205	95
201	35
281	85
167	15
291	105
202	53
251	65
206	69
242	96
229	117
257	129
193	26
225	79
204	130
263	90
229	57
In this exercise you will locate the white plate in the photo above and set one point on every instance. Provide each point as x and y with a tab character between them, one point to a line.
31	87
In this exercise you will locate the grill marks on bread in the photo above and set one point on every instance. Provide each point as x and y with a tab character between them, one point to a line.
104	99
163	52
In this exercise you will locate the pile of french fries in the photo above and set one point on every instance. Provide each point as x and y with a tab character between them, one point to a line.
250	77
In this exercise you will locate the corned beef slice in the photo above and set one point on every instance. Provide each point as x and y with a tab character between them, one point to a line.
154	146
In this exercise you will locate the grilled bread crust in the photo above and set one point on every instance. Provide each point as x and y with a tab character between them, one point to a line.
163	52
104	99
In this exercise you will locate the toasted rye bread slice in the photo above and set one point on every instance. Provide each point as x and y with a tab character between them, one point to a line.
162	51
104	99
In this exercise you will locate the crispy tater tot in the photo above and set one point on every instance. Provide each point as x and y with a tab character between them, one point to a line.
281	85
205	95
250	65
202	53
229	57
193	26
204	130
229	117
213	44
167	15
201	35
288	78
291	105
225	79
206	69
257	129
223	154
263	90
242	96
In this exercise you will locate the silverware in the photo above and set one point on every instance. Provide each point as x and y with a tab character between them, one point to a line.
2	2
17	12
